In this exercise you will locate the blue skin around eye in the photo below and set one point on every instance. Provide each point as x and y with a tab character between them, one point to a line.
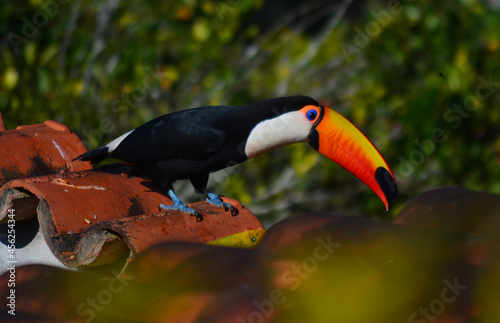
312	114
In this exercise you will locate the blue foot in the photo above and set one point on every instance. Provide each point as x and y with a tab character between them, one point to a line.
215	200
179	206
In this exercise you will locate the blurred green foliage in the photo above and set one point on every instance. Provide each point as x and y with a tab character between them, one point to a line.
403	71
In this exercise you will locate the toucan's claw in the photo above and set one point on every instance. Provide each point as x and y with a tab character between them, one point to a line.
215	200
179	206
234	211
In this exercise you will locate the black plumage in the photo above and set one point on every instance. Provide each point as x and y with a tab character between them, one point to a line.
190	144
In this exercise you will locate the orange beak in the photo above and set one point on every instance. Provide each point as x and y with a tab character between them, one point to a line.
338	139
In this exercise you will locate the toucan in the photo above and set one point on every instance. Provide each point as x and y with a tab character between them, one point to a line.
191	144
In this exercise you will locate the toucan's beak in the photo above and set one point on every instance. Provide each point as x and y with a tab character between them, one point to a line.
338	139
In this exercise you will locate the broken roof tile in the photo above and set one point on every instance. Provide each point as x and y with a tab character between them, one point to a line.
39	149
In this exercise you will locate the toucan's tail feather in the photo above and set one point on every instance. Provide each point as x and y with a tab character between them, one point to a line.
95	155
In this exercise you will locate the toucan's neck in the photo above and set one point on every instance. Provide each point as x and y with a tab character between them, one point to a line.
278	124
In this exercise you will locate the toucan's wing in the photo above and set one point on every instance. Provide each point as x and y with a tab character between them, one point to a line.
187	135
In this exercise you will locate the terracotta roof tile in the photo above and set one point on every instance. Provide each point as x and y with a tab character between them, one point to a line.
228	267
326	272
61	295
454	209
85	214
93	217
39	149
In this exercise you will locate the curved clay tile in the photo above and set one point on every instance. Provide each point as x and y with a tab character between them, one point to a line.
96	217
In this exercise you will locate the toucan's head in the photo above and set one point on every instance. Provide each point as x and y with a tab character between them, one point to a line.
304	120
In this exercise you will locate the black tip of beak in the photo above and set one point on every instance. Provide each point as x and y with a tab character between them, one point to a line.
387	185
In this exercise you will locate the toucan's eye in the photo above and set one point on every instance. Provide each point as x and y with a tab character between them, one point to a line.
312	114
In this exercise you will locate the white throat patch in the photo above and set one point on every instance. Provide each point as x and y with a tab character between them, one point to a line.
115	143
273	133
